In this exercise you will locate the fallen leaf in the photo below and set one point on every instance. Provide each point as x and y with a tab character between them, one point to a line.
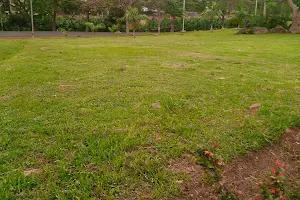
255	106
158	139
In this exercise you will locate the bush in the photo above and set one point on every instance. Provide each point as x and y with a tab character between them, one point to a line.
43	23
202	24
18	23
193	24
71	24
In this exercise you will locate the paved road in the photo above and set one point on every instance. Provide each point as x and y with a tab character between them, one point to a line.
47	34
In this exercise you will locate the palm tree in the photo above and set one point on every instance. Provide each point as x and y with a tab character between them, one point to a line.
134	17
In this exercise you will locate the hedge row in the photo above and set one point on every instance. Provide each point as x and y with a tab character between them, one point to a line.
20	23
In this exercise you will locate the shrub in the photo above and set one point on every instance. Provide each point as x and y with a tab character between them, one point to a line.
43	23
193	24
71	23
18	23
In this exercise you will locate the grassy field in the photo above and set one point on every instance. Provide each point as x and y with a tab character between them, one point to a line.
75	126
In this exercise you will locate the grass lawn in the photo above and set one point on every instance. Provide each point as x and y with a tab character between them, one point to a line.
75	126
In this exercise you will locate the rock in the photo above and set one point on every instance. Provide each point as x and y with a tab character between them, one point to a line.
242	31
260	30
279	29
255	106
156	105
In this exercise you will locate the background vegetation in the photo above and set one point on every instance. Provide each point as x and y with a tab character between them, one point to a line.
73	15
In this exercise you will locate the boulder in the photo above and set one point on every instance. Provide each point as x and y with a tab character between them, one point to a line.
260	30
279	29
242	31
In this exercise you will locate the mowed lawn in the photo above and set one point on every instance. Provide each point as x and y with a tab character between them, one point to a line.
75	126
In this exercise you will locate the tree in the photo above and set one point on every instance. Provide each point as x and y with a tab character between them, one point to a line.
158	7
89	5
57	5
134	17
124	5
294	5
174	9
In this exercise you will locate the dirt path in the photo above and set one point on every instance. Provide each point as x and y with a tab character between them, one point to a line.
243	176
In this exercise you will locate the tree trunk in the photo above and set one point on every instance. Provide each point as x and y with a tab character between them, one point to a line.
265	9
54	20
159	22
173	18
295	27
158	27
223	20
127	27
133	33
119	27
88	20
54	6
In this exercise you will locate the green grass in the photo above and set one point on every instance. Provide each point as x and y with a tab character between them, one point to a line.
93	139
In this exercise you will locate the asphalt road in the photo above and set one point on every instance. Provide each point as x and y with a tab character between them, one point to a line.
47	34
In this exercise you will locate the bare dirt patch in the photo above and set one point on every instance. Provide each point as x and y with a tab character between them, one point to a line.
203	55
29	172
65	86
4	98
194	187
243	175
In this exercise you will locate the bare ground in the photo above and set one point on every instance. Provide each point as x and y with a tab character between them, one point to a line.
243	175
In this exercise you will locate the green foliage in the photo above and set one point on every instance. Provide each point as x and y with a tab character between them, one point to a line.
94	28
71	23
113	28
193	24
18	22
174	8
278	13
133	16
274	186
239	18
196	24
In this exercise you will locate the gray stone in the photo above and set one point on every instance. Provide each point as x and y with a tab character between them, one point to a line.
279	29
260	30
242	31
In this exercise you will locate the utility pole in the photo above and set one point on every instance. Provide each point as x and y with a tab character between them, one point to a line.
183	17
32	24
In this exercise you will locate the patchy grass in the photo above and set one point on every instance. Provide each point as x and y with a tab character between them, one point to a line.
85	129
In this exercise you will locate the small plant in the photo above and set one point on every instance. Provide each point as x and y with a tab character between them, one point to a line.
63	31
208	160
94	27
113	29
274	186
